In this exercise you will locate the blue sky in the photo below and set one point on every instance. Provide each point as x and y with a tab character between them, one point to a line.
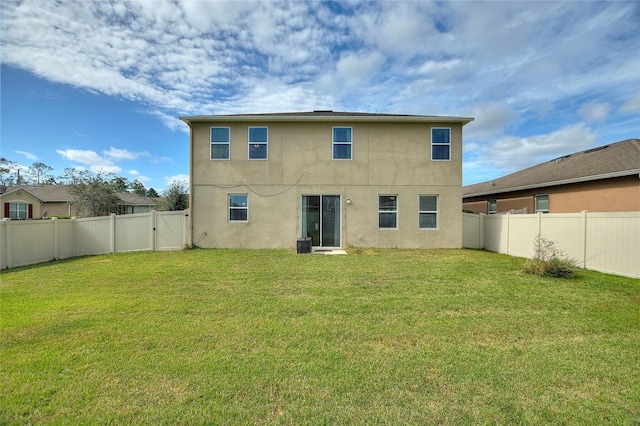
99	85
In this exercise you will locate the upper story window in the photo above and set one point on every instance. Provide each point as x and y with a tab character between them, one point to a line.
441	144
542	203
342	143
258	143
220	137
238	207
388	211
428	213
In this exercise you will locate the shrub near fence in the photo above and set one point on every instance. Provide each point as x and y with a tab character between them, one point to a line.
605	242
26	242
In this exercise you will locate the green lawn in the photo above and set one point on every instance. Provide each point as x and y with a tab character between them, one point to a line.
272	337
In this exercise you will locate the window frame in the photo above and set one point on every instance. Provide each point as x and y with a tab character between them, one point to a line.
441	144
435	212
335	143
14	210
227	143
231	208
265	143
536	197
495	206
387	211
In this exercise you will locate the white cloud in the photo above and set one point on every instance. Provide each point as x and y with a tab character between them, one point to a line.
28	155
518	68
176	178
509	154
594	112
630	106
358	69
94	161
123	154
490	120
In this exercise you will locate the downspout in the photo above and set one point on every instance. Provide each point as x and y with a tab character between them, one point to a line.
190	217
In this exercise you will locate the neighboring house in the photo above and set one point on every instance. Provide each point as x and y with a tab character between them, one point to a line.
133	203
44	201
343	179
602	179
36	201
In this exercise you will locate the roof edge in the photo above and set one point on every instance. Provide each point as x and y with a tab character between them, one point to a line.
334	118
556	183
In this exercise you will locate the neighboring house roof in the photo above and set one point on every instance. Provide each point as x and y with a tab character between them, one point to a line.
45	193
59	194
607	161
132	199
325	115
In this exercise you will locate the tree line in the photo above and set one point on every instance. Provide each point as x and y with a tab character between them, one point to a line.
94	193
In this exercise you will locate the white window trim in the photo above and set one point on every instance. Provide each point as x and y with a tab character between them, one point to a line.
440	144
388	212
436	211
17	209
229	208
535	203
220	143
257	143
334	143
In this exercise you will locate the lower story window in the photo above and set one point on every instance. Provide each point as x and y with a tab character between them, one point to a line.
542	203
388	211
238	207
428	214
493	206
18	210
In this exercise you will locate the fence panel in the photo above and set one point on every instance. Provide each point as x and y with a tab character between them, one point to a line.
4	246
606	242
93	235
133	232
613	243
65	240
523	229
496	233
171	230
471	224
566	230
31	241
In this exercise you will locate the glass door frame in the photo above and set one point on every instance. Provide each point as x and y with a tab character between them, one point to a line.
337	223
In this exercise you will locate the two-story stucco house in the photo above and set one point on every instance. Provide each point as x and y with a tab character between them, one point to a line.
343	179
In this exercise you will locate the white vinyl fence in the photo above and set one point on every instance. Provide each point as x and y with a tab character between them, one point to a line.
605	242
26	242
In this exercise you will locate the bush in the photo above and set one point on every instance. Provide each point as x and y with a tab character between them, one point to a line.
549	261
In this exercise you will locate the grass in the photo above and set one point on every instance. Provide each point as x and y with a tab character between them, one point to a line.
271	337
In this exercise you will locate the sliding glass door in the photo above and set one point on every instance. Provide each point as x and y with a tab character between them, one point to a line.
321	219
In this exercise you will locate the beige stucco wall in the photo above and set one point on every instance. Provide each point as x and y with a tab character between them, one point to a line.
387	158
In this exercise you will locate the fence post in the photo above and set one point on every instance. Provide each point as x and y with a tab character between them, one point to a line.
154	223
508	216
481	230
539	223
113	232
7	239
74	236
584	239
56	250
